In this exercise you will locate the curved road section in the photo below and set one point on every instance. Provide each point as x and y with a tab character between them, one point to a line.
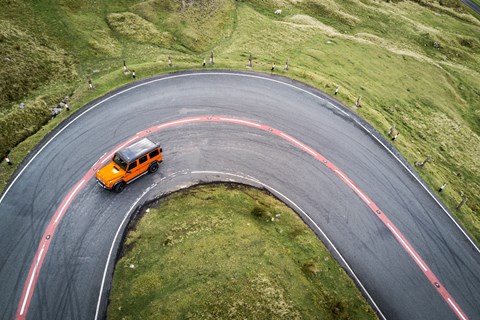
60	232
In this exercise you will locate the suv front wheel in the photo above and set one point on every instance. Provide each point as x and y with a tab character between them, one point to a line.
119	187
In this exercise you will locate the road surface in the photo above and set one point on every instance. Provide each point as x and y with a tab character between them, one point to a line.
60	231
475	7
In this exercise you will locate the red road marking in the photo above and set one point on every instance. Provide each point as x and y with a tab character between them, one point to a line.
42	250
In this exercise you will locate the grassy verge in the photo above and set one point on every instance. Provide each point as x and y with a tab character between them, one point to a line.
415	64
229	252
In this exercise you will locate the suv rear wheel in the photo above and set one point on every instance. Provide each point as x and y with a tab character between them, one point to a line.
119	187
153	167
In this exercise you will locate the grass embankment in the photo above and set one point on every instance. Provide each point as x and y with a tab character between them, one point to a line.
415	64
229	252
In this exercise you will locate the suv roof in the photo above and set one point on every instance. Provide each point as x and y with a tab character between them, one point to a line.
137	150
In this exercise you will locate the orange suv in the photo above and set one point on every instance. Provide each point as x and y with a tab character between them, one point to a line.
130	164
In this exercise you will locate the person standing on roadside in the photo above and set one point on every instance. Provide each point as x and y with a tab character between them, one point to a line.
133	74
336	90
442	187
7	159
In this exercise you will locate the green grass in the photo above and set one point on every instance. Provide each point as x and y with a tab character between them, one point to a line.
415	63
229	252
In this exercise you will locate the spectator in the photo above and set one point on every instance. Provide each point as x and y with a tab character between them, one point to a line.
336	90
7	159
250	64
65	102
55	112
63	105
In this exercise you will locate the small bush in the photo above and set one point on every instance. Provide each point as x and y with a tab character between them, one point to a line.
168	241
450	3
311	268
468	42
296	231
339	309
260	213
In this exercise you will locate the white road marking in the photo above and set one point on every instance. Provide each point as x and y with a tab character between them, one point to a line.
405	245
98	160
338	109
68	200
299	144
113	245
31	280
353	186
240	121
177	122
458	311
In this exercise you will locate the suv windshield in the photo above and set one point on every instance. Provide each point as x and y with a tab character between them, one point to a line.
120	162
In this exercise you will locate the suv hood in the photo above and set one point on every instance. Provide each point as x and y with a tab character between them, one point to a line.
110	173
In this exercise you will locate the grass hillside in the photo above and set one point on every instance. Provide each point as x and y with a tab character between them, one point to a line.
416	64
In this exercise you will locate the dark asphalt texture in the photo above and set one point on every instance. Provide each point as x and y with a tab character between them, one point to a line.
475	7
71	276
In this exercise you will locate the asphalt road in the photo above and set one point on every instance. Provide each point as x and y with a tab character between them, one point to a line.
74	270
475	7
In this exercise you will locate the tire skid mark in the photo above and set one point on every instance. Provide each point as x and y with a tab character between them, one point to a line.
50	230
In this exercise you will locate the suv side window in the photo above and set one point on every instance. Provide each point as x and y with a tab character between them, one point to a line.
142	159
132	165
154	153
